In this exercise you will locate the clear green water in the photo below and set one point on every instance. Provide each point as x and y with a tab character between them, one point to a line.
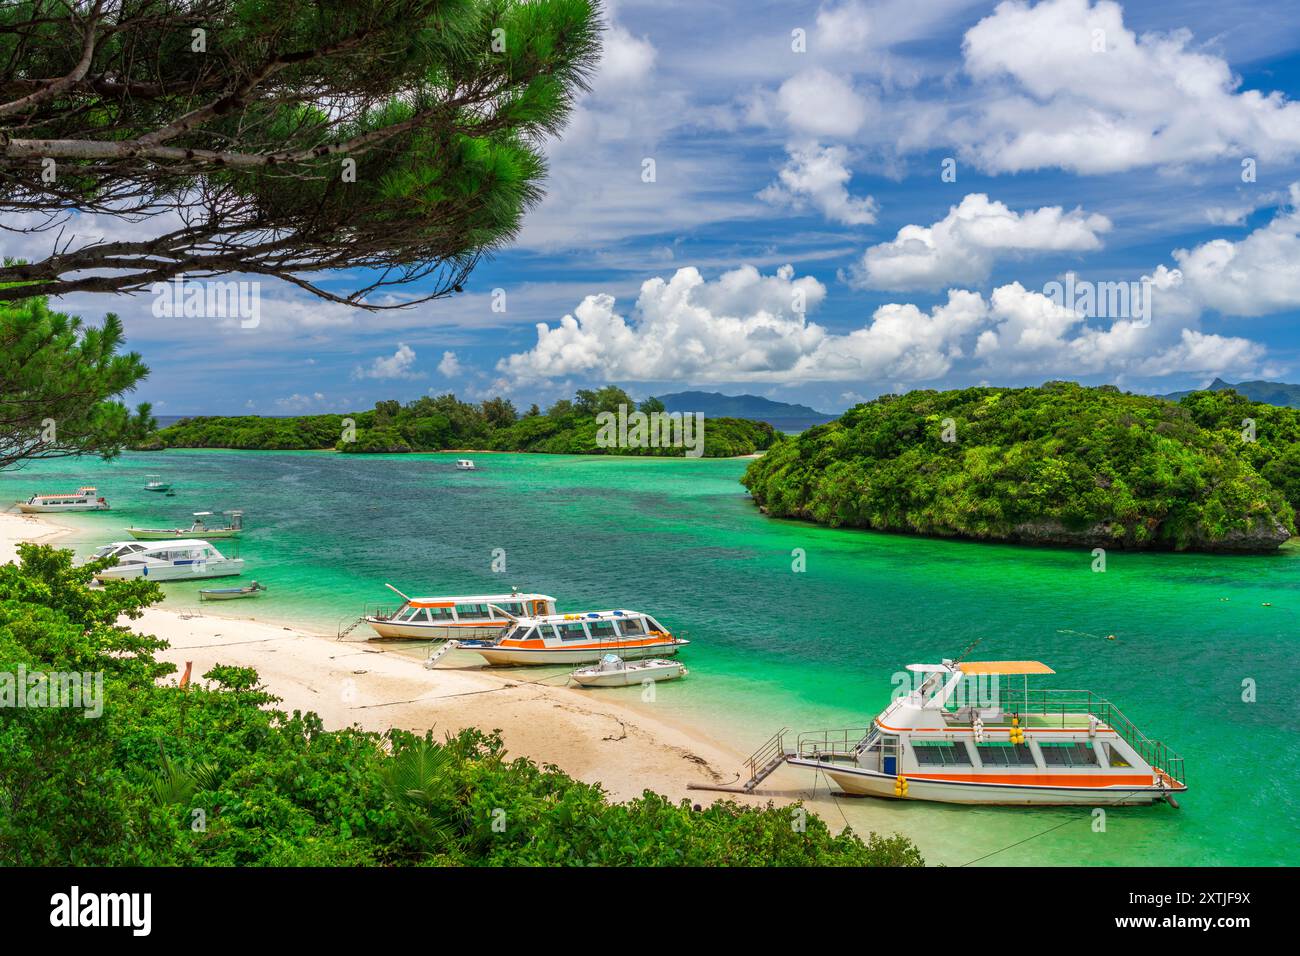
774	648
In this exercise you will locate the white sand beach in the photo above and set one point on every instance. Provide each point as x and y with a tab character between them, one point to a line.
346	683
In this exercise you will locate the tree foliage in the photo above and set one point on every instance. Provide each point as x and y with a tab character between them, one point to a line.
280	137
444	422
215	774
58	383
1057	464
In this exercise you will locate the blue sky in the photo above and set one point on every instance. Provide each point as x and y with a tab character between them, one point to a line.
800	240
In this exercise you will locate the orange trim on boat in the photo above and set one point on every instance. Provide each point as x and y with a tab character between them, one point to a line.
1042	779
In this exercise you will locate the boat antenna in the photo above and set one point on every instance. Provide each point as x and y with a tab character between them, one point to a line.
966	650
393	589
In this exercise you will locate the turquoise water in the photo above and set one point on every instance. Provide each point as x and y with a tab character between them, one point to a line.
778	648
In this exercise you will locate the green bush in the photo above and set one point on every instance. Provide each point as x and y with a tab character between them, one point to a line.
214	774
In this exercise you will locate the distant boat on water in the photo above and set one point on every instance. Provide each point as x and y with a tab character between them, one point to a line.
156	485
85	498
465	464
199	528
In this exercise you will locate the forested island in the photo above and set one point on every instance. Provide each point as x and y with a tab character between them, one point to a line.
1060	464
569	427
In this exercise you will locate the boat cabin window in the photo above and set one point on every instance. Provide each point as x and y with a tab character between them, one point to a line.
417	614
601	630
1068	754
937	753
471	611
655	625
631	627
1005	755
512	607
572	631
529	635
1114	757
439	613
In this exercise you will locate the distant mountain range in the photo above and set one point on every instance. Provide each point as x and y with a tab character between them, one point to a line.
780	415
1270	393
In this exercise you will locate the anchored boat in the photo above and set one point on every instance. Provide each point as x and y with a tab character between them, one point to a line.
231	594
85	498
578	639
199	527
186	559
464	464
154	484
471	616
1034	747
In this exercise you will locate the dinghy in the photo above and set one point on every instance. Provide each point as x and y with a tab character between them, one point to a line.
231	594
613	671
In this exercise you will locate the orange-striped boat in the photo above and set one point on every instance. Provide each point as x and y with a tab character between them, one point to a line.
466	616
1008	745
578	639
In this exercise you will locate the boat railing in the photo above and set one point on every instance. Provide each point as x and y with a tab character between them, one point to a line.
381	611
817	744
1049	704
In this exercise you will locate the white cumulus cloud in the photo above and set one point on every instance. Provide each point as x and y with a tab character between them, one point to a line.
1068	85
963	246
398	365
818	176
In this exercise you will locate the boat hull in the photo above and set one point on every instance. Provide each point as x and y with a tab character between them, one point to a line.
187	572
162	534
862	782
229	595
436	632
501	656
52	509
628	678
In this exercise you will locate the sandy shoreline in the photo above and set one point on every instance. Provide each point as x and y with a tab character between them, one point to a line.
584	734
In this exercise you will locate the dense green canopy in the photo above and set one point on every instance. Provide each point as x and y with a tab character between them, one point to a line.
1059	464
444	422
59	381
280	137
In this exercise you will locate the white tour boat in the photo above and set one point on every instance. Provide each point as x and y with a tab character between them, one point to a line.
199	527
85	498
154	484
183	560
613	671
1033	747
464	464
470	616
578	639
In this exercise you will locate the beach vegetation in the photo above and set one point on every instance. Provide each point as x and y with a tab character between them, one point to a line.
211	772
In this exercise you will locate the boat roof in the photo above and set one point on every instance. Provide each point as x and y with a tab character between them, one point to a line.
1004	667
170	543
584	616
475	599
66	494
983	667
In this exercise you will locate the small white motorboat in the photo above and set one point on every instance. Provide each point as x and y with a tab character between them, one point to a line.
156	485
85	498
613	671
464	464
231	594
